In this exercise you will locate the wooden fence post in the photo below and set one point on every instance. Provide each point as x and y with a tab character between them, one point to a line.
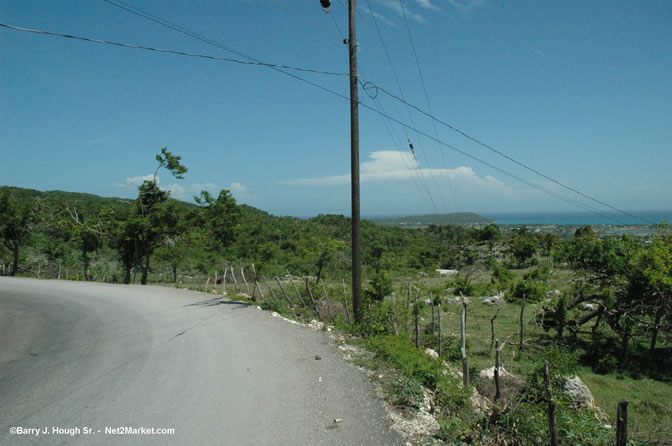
291	279
269	288
345	303
312	299
254	287
551	406
416	311
622	423
463	348
233	275
498	394
492	328
439	323
431	302
522	323
242	273
256	284
284	292
226	270
326	296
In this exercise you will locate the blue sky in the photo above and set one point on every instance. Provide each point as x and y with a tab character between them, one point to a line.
579	90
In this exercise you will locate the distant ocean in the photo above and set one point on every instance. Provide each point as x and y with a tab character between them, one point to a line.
578	218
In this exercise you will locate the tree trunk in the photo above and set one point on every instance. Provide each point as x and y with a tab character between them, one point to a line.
654	335
174	266
127	276
85	260
15	263
145	271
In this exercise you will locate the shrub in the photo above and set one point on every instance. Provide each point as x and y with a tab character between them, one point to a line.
532	290
379	286
381	318
407	392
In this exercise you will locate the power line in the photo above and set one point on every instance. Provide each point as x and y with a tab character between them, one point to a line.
505	172
279	69
378	105
424	89
492	149
175	52
156	19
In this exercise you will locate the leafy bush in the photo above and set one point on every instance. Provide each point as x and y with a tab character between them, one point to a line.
407	392
532	290
502	275
379	286
403	355
561	364
387	317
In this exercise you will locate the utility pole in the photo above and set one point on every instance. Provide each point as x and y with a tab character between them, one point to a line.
354	165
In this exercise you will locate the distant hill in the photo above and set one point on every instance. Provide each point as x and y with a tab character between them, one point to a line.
419	221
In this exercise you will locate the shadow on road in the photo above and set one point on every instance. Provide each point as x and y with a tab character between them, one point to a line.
220	301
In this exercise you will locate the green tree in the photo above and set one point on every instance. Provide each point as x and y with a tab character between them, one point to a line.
523	247
220	216
650	283
155	218
16	223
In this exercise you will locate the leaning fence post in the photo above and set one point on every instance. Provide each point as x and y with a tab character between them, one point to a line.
345	303
622	423
431	302
284	292
254	287
312	299
522	325
226	270
256	284
233	275
438	305
498	394
326	296
269	288
242	273
463	348
291	279
416	311
551	406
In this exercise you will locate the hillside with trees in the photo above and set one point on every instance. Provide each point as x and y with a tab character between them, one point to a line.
600	307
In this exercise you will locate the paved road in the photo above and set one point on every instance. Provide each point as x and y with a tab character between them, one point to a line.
77	355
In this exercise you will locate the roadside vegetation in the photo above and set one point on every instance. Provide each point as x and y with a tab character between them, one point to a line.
598	308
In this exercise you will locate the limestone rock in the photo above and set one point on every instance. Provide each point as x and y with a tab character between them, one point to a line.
431	353
579	393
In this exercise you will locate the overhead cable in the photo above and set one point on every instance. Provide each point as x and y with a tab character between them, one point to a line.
175	52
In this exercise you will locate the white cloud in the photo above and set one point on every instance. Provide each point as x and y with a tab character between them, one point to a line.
137	181
237	187
390	165
210	187
176	191
240	192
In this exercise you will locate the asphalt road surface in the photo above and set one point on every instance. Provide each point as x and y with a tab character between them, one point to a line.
85	362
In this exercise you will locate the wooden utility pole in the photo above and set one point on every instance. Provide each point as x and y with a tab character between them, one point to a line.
354	164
